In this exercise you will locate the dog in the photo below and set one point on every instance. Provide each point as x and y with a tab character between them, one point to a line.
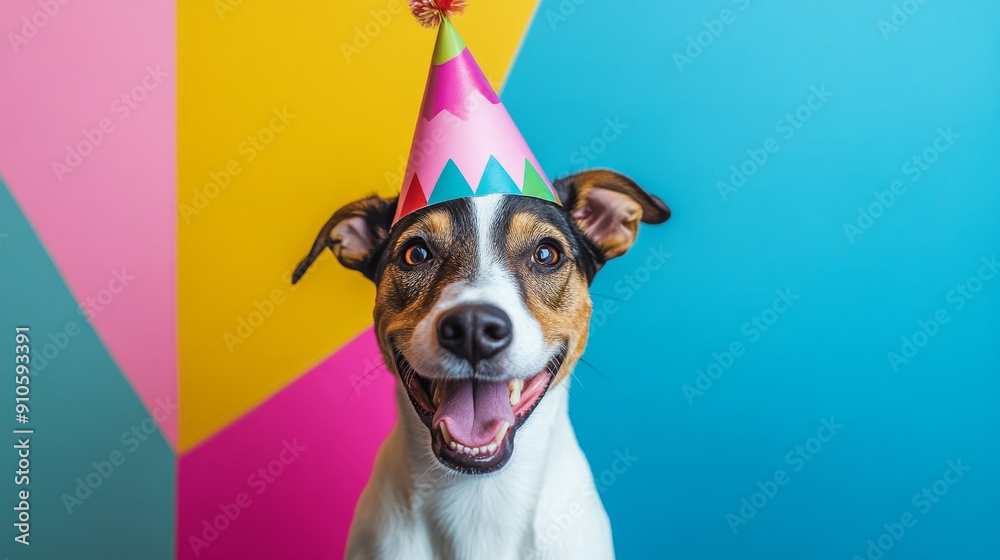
482	310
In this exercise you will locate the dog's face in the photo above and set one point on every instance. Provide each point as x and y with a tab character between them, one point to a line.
482	304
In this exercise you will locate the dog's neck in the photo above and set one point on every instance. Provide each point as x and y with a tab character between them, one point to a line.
495	509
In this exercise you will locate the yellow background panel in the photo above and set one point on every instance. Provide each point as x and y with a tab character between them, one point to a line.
287	111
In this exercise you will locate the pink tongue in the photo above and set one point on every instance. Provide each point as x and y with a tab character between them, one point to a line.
473	411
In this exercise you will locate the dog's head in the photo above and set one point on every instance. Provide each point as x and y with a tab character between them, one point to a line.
482	303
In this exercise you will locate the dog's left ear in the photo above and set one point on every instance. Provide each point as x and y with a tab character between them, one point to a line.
607	207
355	234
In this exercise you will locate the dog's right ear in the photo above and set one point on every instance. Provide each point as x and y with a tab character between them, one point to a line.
355	234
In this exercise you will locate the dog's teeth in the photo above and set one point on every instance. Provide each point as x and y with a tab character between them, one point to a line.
444	432
473	451
502	432
436	399
515	386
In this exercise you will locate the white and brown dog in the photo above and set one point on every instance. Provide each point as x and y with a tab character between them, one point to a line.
483	309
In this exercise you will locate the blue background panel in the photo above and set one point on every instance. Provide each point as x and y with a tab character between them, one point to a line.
831	168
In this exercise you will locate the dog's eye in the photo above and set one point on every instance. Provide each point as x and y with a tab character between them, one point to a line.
416	254
546	254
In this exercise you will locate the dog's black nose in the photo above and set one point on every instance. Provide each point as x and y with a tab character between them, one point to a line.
474	332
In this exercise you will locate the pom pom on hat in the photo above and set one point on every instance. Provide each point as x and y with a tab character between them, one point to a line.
430	12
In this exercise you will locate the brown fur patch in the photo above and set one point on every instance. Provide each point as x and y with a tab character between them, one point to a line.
405	295
608	206
556	296
609	217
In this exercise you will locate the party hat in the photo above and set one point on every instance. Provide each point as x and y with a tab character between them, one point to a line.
465	144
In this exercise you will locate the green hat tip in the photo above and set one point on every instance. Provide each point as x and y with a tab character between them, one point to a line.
449	43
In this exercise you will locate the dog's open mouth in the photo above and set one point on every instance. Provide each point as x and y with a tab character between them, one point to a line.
472	421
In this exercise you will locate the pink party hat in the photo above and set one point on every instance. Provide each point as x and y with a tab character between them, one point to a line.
465	144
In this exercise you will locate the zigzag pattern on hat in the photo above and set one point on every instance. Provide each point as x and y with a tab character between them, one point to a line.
451	184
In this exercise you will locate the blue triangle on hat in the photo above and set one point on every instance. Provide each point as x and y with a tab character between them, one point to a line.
450	185
496	180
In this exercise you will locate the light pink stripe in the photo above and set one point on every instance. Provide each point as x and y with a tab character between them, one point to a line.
489	132
113	215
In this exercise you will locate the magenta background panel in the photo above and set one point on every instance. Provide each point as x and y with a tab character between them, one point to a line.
282	481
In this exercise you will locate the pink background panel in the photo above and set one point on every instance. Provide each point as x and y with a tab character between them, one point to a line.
293	466
113	216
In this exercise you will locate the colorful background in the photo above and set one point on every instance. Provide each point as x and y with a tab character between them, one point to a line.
810	343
